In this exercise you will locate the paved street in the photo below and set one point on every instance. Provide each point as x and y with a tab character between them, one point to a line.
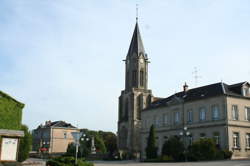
210	163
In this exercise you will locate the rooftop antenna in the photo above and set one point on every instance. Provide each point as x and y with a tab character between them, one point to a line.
137	12
196	76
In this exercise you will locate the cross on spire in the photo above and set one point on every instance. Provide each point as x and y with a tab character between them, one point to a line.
137	12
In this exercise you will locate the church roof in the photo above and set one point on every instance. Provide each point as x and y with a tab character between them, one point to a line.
136	45
200	93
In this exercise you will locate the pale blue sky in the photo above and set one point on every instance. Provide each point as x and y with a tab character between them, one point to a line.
63	58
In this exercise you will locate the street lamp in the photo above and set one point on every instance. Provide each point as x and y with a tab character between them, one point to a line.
185	133
76	136
83	138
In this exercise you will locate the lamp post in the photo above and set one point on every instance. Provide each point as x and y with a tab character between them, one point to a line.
76	136
83	138
185	133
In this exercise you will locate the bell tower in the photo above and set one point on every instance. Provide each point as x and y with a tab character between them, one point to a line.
135	97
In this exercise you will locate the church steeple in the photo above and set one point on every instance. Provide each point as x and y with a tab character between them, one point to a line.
136	45
136	63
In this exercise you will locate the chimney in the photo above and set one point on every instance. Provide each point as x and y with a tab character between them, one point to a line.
185	87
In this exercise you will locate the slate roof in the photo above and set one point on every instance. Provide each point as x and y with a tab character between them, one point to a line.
60	124
200	93
136	45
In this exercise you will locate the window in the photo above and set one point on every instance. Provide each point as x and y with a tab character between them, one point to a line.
141	78
65	135
247	113
157	121
217	138
245	91
202	135
176	117
248	140
190	116
165	119
236	140
202	114
139	106
134	78
215	112
235	112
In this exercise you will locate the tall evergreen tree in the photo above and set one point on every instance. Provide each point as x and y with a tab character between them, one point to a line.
151	149
25	144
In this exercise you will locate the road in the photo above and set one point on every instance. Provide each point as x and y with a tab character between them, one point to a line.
208	163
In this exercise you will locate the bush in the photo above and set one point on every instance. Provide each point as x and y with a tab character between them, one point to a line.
204	149
227	154
25	144
67	161
173	148
167	158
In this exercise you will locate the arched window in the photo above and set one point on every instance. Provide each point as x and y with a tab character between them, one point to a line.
134	78
139	106
141	77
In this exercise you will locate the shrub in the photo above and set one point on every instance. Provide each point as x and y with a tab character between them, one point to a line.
151	149
227	154
67	161
25	144
204	149
174	148
167	158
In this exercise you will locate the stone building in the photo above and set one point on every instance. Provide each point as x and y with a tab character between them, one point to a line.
53	137
10	125
218	111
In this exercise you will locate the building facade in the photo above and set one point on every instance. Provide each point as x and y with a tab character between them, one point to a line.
53	137
10	127
135	97
217	111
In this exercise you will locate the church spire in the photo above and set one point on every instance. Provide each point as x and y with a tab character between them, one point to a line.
136	45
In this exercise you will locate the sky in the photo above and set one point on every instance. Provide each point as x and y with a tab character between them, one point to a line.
63	58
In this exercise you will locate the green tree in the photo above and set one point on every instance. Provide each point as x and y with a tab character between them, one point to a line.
25	144
99	144
110	141
204	149
151	149
173	147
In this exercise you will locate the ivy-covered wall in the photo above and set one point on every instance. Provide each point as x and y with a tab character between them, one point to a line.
10	112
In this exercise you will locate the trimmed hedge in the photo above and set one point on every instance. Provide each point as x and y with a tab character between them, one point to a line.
10	113
67	161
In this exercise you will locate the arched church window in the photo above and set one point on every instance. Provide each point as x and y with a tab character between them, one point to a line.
139	106
141	78
134	78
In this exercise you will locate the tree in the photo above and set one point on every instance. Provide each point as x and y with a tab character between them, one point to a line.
99	144
110	141
151	149
204	149
25	144
174	148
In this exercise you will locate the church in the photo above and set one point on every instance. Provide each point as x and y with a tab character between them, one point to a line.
219	111
135	97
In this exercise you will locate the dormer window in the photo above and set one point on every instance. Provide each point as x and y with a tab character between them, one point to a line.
245	91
